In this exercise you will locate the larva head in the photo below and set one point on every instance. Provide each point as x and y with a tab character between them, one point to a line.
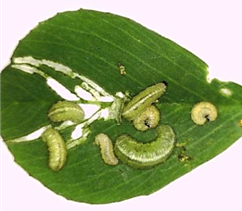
65	110
148	119
50	134
203	112
139	155
143	100
101	137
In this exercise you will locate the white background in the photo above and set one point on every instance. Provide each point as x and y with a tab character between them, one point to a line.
210	29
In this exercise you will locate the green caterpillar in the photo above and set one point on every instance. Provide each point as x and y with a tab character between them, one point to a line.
143	100
56	147
65	110
139	155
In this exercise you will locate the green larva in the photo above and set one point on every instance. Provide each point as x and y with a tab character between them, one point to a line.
139	155
148	119
203	112
143	100
65	110
56	147
240	123
106	146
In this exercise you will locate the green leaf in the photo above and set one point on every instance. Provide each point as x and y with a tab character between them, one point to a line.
93	44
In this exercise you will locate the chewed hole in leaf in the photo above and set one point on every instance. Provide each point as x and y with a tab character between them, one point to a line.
84	58
82	93
225	91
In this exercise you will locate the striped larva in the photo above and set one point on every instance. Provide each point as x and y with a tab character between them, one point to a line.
139	155
143	100
56	147
203	112
65	110
106	146
149	118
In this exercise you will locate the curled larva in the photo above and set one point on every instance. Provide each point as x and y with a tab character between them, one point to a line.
139	155
203	112
149	118
106	146
56	147
143	100
65	110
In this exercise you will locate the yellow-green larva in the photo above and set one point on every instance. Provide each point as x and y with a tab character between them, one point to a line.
56	147
106	146
148	119
139	155
65	110
143	100
240	123
203	112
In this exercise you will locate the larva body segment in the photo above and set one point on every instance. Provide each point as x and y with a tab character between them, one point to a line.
139	155
203	112
148	119
65	110
56	147
106	146
143	100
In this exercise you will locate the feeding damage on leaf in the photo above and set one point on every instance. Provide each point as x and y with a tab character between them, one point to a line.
111	82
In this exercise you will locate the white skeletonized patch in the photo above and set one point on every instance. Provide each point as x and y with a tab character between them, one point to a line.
92	84
89	109
29	69
60	68
61	90
82	93
65	125
78	136
92	91
30	137
77	133
35	62
120	95
226	92
25	68
107	99
53	84
105	114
